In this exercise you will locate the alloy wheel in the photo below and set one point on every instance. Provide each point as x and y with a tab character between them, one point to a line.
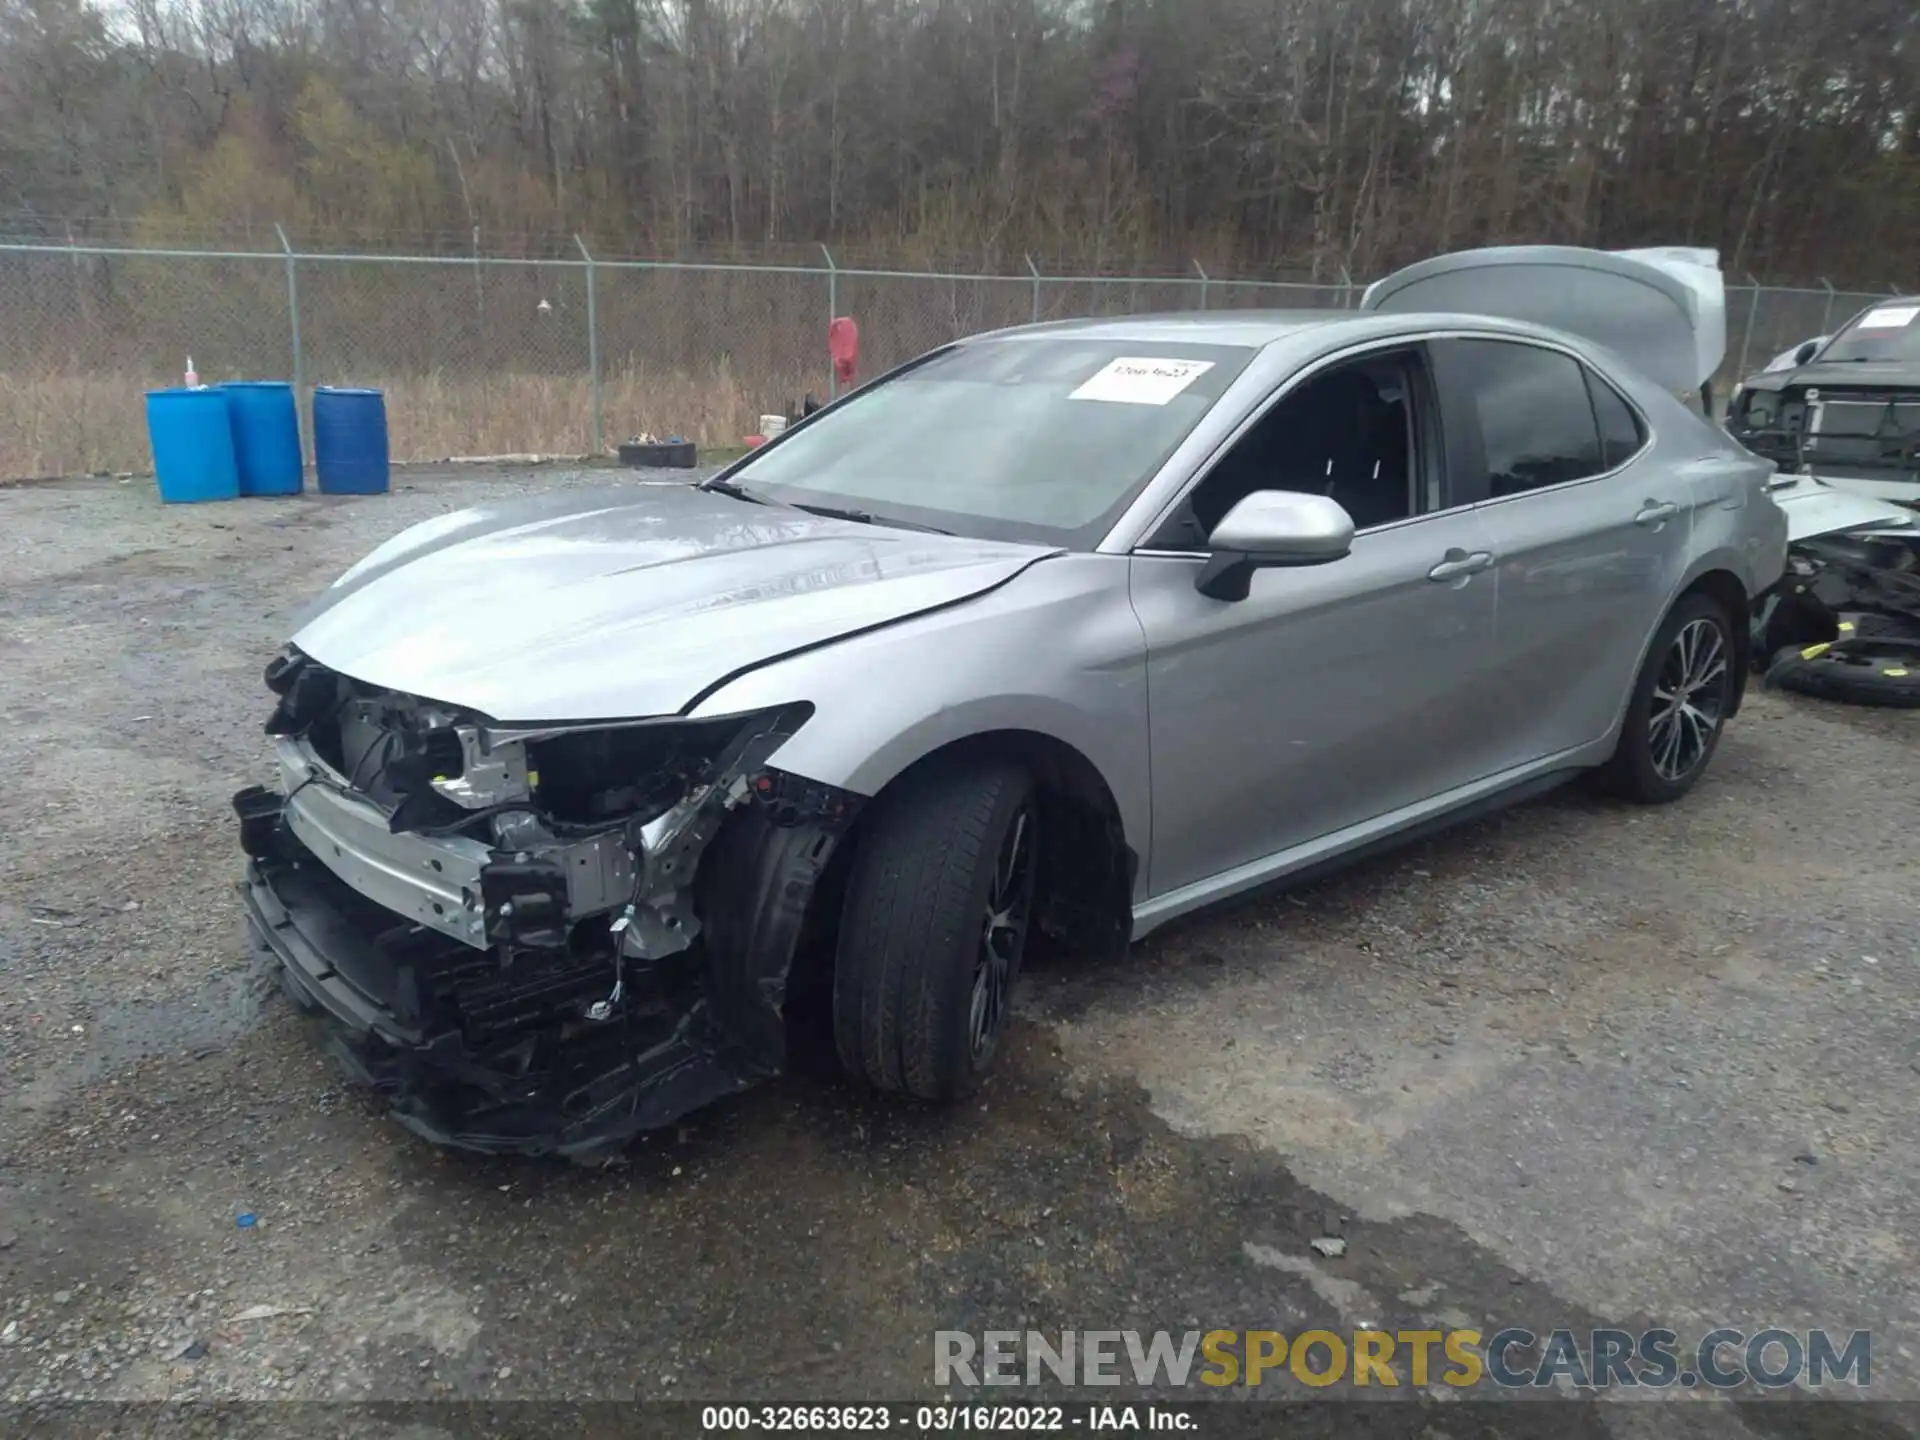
1689	699
1003	935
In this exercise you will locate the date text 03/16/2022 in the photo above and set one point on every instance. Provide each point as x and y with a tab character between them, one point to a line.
947	1419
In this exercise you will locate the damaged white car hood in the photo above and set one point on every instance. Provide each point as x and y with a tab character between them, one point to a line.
1814	507
625	603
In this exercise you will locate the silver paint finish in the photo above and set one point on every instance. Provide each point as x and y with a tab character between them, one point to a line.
625	604
1331	694
1286	527
1445	659
1586	570
1058	653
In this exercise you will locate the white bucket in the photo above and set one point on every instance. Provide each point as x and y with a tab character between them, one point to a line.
772	425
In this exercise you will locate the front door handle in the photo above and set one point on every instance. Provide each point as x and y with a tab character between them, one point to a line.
1654	513
1459	564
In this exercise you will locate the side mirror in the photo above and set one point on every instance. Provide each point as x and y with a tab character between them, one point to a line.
1806	352
1268	529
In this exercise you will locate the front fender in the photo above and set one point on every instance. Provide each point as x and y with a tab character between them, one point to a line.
1057	651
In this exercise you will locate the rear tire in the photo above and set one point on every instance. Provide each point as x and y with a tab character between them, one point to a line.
1678	708
937	912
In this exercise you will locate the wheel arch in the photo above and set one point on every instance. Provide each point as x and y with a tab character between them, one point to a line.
1714	578
1088	865
1727	590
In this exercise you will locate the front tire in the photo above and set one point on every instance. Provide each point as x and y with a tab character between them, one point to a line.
1679	706
935	925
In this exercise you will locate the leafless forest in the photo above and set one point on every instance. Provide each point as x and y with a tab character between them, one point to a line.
1296	136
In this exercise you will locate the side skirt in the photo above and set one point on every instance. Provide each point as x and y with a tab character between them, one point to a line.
1371	837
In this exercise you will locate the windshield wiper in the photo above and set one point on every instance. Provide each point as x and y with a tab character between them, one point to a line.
738	491
863	517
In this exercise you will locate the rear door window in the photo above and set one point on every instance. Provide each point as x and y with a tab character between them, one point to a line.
1534	416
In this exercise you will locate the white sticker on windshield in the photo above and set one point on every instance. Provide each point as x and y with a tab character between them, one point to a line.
1889	317
1139	380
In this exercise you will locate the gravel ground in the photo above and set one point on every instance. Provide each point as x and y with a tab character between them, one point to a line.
1574	1065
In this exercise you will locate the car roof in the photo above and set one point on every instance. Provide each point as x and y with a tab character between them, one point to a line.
1252	328
1258	329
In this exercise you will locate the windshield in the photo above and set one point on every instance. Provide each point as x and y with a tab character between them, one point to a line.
1886	332
1042	439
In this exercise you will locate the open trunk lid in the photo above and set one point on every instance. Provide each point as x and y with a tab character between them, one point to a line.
1662	310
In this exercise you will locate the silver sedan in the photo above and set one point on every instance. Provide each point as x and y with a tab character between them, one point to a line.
595	810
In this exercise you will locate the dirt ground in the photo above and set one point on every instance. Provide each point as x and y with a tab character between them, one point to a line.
1575	1065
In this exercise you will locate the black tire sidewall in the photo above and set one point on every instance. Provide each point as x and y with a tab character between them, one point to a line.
902	994
1827	679
950	1024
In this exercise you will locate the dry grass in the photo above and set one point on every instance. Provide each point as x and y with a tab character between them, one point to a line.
68	423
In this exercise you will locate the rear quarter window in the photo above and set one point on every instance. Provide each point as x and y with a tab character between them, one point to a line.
1621	433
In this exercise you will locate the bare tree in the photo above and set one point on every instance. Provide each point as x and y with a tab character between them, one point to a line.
1301	135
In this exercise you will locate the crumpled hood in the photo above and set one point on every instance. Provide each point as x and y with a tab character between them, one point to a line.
1815	508
625	603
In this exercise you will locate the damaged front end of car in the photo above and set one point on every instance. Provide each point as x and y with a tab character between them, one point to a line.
534	939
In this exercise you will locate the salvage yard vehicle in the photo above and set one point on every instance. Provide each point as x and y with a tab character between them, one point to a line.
594	810
1845	407
1843	622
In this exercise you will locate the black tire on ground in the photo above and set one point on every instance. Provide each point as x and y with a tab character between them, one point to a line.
1868	670
658	455
1665	747
919	1003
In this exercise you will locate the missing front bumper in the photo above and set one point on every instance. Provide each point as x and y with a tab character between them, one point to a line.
502	1058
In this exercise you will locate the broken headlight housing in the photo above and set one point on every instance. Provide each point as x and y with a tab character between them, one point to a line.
547	828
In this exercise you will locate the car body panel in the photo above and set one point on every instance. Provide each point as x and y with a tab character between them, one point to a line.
1066	655
1331	694
1581	586
1587	569
1815	507
1870	487
1382	831
628	604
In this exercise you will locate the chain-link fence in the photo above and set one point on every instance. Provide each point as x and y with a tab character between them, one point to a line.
488	356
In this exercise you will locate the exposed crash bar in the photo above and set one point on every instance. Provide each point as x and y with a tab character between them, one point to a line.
518	962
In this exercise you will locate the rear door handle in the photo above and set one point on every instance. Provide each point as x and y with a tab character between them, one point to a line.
1459	564
1655	512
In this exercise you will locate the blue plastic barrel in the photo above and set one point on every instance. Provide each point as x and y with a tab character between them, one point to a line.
350	441
266	436
192	441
